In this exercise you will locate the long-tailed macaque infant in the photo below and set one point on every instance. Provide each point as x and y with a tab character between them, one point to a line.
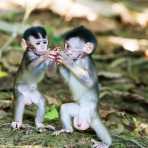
36	61
79	72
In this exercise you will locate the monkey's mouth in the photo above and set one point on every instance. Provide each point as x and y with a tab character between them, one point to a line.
74	56
42	49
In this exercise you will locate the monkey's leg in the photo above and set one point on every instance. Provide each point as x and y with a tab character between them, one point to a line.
101	131
39	100
40	111
67	111
19	110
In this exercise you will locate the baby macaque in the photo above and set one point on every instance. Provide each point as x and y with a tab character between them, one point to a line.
79	72
36	61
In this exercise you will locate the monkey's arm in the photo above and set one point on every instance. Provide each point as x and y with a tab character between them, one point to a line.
81	71
81	74
34	61
40	60
65	73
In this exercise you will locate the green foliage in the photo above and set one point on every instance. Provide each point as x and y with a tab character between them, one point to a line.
3	74
54	40
51	113
49	30
10	16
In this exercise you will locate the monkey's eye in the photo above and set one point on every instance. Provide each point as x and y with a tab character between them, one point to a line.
38	43
45	42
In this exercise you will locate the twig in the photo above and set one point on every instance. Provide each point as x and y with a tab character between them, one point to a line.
11	39
6	65
130	140
15	32
134	97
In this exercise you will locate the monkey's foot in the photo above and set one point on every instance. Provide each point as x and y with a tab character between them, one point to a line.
40	125
58	132
97	144
16	125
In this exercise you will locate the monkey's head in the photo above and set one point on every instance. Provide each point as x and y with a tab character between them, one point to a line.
79	41
35	38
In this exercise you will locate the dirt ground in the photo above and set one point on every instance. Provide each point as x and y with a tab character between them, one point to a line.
123	76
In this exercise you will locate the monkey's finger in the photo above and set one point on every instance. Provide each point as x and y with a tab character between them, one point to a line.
60	57
59	61
55	52
52	57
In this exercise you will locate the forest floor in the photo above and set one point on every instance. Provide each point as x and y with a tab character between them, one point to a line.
123	77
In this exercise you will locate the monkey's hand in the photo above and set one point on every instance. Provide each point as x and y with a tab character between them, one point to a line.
49	55
52	55
58	132
96	144
65	59
16	125
58	59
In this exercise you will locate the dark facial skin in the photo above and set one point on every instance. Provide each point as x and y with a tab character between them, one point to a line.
40	45
76	47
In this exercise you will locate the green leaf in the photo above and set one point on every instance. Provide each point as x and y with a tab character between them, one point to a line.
3	74
56	39
49	31
52	114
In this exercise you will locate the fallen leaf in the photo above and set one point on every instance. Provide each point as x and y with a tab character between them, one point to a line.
52	114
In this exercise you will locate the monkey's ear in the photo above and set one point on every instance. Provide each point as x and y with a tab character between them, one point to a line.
88	47
23	44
